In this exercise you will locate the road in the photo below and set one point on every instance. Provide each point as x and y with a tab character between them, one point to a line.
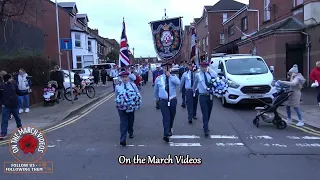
89	147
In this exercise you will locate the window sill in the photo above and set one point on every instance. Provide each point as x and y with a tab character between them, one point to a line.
78	47
297	7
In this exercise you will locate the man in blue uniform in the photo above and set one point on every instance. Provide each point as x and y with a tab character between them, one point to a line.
132	76
187	81
165	90
126	118
183	68
205	98
155	74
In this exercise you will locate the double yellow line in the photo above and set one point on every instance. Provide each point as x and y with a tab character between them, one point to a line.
307	130
73	119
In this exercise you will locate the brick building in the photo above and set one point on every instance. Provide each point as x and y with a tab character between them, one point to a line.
209	26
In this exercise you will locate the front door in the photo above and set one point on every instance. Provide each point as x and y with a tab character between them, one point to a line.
294	55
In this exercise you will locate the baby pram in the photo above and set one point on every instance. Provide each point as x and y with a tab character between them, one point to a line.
49	94
269	113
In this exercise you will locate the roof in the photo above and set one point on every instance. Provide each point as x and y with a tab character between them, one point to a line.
67	4
82	16
196	19
225	5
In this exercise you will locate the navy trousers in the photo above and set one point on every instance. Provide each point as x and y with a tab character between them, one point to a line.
168	114
126	124
5	117
192	103
206	106
183	94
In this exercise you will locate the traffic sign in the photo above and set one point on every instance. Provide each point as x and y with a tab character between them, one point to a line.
66	44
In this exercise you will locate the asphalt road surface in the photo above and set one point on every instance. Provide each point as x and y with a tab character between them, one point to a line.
236	150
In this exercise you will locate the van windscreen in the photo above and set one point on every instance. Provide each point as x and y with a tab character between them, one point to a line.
246	66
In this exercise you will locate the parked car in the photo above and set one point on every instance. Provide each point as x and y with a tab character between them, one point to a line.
66	83
85	73
107	67
249	78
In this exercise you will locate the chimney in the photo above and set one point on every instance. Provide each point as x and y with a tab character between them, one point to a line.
95	31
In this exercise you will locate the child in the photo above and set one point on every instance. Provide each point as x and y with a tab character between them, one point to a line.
48	92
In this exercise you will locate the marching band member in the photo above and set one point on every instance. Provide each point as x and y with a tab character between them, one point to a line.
155	74
205	98
114	74
132	76
183	68
187	81
126	118
165	90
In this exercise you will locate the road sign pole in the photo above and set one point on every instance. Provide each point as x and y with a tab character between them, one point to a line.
71	87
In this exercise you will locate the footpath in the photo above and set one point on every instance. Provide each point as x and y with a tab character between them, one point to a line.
310	110
43	117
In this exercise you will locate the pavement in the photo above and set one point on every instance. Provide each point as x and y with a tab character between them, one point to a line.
88	147
44	117
309	109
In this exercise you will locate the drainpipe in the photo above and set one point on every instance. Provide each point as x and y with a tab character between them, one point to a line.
308	60
255	10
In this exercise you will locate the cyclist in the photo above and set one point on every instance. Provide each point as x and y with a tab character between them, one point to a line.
77	83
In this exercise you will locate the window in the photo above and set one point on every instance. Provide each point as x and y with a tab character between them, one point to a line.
225	17
207	41
297	2
222	38
230	30
207	21
203	44
79	62
246	66
267	10
77	40
244	23
89	46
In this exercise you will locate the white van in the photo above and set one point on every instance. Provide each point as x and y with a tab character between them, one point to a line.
249	78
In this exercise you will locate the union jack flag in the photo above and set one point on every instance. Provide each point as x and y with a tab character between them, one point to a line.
124	48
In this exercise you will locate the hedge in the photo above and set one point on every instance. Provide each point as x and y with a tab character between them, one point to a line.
36	66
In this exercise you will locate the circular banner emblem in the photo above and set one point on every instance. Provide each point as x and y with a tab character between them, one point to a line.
28	144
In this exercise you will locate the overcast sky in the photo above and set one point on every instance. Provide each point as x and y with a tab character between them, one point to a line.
106	15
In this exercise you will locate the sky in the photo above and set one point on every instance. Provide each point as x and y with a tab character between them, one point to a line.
107	16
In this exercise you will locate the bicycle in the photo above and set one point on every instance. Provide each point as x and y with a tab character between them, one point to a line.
88	90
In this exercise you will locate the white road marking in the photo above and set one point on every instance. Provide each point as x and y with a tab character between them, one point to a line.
229	144
132	145
260	137
274	145
223	137
293	137
184	137
304	137
51	146
308	145
185	144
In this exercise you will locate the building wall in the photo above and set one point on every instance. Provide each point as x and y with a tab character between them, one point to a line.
50	32
202	33
314	32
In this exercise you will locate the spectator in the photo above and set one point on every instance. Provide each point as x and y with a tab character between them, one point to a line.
296	83
95	73
58	76
9	93
104	76
24	86
114	74
315	76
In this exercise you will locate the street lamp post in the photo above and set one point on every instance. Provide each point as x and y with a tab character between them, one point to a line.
58	32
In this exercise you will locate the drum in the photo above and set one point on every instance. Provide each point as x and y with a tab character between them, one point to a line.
116	80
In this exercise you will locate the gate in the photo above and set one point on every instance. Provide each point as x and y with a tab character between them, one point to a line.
294	55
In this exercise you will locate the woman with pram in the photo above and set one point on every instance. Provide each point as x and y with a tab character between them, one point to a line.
295	83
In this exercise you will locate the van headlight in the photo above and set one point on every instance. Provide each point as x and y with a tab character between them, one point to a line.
234	85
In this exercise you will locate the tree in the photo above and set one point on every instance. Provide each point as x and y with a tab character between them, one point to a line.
112	56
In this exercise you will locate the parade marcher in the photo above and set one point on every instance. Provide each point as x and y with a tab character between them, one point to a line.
205	98
126	118
165	90
114	74
132	76
183	68
187	81
155	74
145	71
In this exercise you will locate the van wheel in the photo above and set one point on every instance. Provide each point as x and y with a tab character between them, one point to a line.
224	102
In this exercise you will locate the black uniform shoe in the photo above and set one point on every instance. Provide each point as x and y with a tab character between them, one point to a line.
166	139
123	143
190	121
195	118
183	105
131	136
170	133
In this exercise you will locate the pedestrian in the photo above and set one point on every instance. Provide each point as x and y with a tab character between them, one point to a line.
95	73
2	73
296	83
9	93
165	90
205	98
58	76
114	74
24	86
315	77
183	68
126	118
187	81
104	76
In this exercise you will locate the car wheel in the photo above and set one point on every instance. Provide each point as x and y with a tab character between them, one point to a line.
224	102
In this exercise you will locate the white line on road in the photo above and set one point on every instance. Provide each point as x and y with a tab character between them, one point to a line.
274	145
308	145
51	146
229	144
184	137
185	144
304	137
260	137
131	145
223	137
